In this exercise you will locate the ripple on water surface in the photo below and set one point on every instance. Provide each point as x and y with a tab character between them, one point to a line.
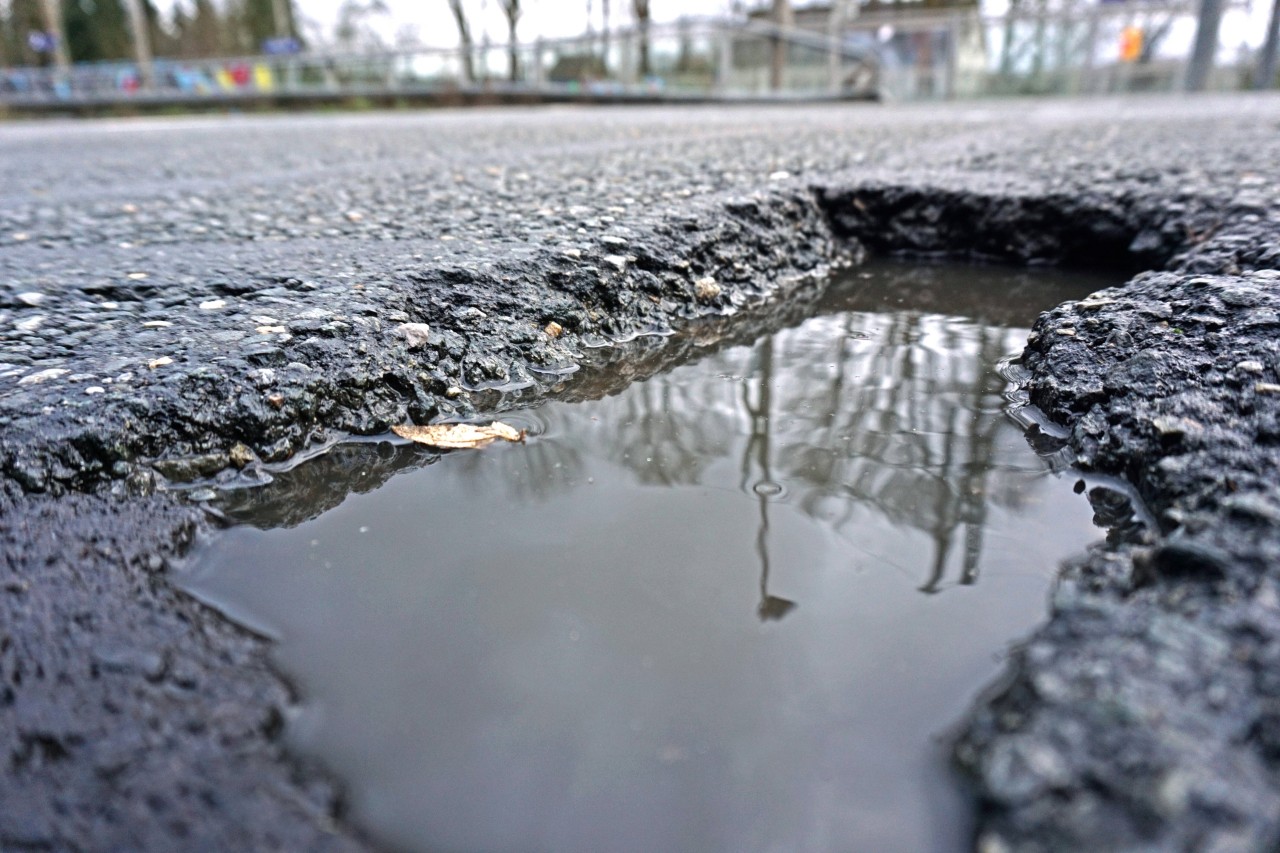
731	608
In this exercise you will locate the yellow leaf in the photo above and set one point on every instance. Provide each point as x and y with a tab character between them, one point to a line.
459	436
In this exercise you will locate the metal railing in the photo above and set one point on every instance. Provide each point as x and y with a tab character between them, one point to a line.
927	54
695	58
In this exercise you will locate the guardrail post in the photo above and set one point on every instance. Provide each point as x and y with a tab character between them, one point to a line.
1087	84
724	59
835	34
626	57
783	20
536	77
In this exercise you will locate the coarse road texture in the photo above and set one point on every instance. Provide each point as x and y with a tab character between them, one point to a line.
194	301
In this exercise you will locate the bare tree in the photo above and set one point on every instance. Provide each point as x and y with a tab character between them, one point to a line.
353	30
604	33
1200	65
282	18
1266	72
511	9
141	42
640	8
783	18
465	46
51	13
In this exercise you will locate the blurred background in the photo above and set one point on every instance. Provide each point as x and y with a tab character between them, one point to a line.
392	51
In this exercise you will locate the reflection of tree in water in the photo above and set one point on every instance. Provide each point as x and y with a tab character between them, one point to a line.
873	406
904	423
303	492
894	412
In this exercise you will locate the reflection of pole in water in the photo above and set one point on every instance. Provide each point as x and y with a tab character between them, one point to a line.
967	507
771	608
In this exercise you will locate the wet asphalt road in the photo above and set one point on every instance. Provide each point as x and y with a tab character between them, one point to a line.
195	300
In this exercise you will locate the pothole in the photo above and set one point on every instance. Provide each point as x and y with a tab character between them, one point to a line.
731	607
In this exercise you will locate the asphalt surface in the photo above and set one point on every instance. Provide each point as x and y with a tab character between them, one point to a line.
189	302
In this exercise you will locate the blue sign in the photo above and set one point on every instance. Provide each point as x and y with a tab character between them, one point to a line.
41	42
281	46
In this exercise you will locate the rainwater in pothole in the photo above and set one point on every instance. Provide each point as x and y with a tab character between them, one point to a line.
734	606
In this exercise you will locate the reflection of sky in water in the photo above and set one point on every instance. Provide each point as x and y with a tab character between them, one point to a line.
561	646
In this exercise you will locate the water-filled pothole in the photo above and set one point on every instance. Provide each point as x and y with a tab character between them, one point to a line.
729	608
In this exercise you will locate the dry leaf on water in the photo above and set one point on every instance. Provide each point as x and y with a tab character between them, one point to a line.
459	436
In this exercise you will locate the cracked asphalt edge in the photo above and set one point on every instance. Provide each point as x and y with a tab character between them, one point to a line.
1143	713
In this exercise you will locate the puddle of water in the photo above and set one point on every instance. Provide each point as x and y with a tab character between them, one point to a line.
729	608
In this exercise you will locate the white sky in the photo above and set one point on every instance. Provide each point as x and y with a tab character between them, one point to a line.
431	24
546	18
